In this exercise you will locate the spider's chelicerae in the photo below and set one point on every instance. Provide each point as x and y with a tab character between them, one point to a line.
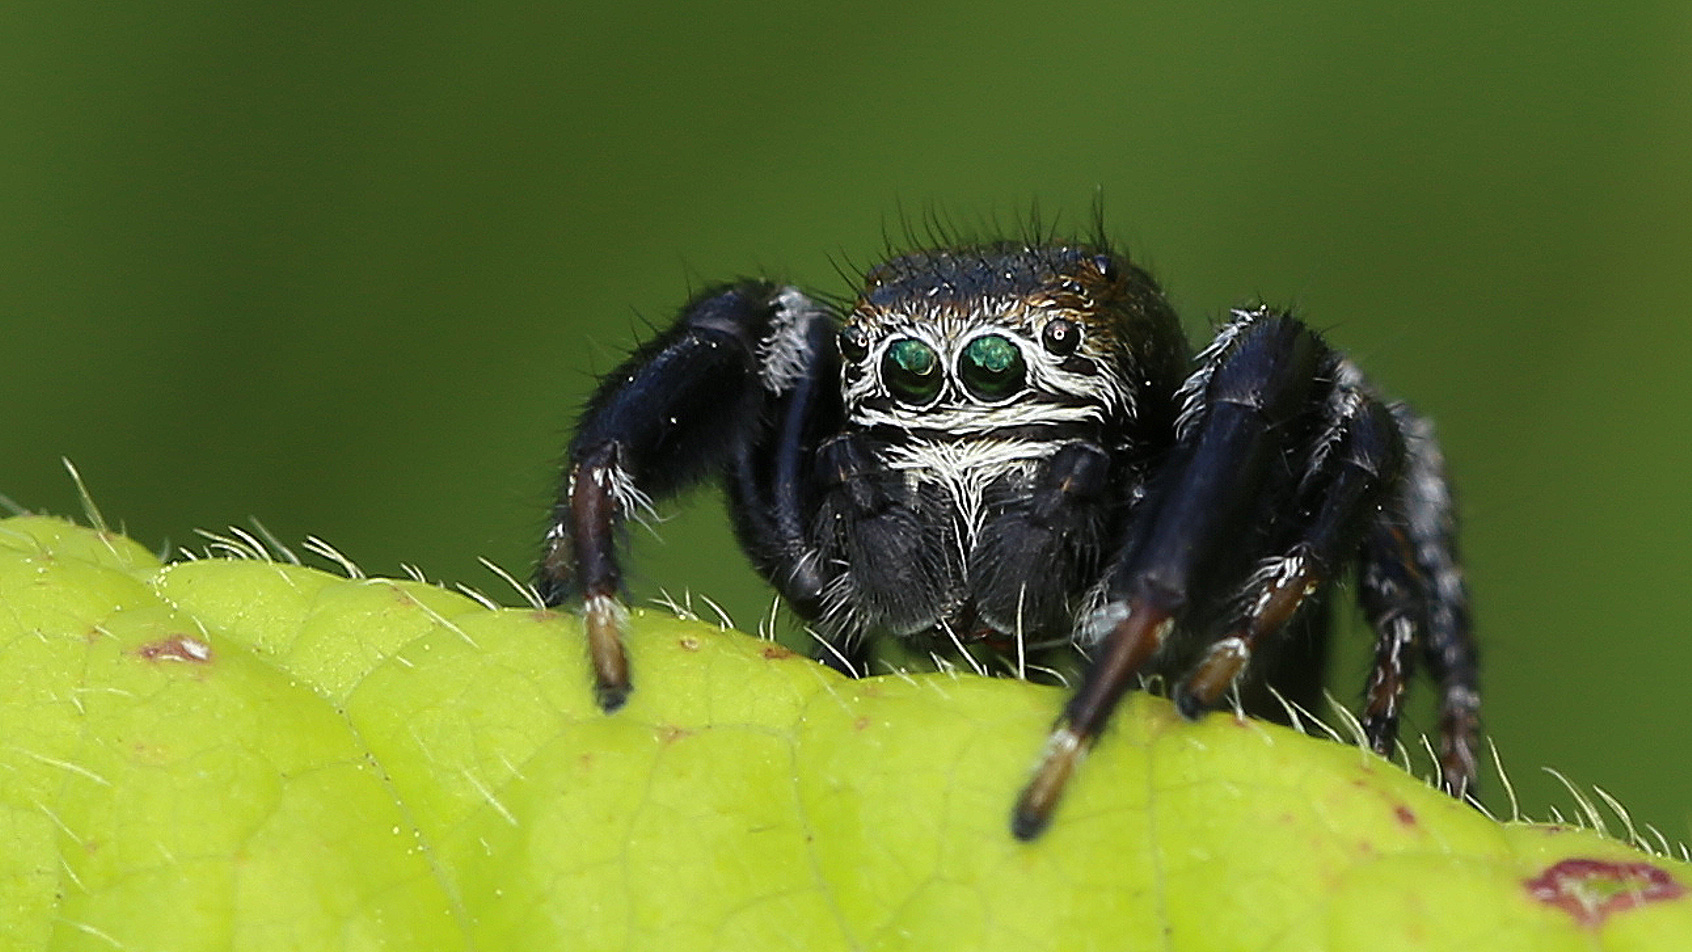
1009	448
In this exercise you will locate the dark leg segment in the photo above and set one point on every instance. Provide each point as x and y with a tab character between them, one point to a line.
1449	648
1296	671
1393	596
771	489
1363	459
679	409
1254	390
594	513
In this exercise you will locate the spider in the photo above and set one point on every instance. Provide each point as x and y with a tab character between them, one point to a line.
1009	448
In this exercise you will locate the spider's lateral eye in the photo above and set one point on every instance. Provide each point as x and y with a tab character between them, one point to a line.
1105	264
991	367
912	370
1060	336
854	343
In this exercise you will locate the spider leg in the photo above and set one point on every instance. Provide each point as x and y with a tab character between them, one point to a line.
773	491
1391	591
682	407
1449	647
1358	460
1253	385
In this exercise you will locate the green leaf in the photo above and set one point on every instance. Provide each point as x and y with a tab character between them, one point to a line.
218	754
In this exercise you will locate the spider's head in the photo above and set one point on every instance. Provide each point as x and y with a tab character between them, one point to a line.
1004	335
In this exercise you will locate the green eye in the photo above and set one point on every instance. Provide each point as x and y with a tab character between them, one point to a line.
912	370
992	367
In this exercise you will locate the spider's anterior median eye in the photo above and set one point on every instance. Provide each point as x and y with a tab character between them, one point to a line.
912	370
991	367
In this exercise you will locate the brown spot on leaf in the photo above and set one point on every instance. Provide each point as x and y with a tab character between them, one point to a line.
861	723
1406	816
669	733
688	643
1591	890
776	653
176	648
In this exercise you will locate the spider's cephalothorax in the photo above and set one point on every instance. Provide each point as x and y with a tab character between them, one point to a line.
991	396
1007	449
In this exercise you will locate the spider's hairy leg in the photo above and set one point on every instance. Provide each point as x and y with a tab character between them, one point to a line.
1392	593
1358	458
1248	393
773	486
1449	647
679	409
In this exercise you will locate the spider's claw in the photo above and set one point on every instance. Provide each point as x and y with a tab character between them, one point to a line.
1459	737
1034	808
1188	704
605	620
611	697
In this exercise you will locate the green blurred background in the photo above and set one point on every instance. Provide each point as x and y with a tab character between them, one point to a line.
349	268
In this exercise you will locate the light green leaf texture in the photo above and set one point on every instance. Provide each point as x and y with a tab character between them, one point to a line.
244	754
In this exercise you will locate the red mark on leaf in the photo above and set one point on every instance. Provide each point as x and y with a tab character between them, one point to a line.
1405	815
776	653
1590	889
176	648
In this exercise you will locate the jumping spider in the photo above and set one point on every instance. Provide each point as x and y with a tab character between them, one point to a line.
1009	447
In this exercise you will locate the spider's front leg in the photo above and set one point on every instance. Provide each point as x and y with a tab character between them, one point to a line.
1244	403
1283	450
684	406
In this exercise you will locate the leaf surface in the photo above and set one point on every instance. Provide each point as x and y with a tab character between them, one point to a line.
244	754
